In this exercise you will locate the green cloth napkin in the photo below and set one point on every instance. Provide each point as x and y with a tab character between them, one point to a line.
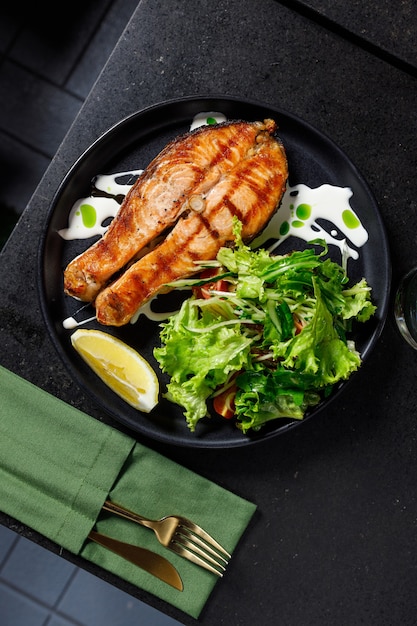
58	465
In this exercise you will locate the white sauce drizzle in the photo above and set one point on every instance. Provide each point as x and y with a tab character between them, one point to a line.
109	184
301	209
207	117
91	216
146	310
70	322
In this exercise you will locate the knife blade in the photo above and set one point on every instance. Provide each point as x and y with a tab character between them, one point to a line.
149	561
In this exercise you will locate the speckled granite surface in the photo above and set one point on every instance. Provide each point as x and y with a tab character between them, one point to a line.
336	498
386	25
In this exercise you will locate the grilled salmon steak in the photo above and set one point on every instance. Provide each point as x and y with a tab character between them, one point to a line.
192	190
189	165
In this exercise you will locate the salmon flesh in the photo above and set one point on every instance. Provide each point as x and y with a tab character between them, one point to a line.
189	194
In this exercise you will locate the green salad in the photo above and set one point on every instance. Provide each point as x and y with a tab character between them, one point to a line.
262	336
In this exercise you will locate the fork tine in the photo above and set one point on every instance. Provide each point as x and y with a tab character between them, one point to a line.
197	530
200	545
194	558
183	541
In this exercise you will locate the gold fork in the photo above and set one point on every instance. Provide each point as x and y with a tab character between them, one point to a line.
181	536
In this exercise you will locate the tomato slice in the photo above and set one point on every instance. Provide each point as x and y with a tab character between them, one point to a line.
224	403
299	325
203	291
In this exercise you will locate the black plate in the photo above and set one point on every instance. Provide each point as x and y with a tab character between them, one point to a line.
313	159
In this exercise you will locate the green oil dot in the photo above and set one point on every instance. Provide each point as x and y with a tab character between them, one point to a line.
284	229
303	211
211	120
89	215
297	224
350	219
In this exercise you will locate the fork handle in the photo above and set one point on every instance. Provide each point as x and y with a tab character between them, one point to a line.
112	507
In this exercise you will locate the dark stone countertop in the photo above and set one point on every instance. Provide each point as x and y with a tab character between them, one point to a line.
379	26
332	541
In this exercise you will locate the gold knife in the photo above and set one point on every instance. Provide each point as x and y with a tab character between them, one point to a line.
147	560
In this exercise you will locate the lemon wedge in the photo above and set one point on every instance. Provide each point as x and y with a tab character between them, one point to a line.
118	365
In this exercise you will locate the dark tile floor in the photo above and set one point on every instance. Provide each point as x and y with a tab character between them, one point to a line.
38	588
49	60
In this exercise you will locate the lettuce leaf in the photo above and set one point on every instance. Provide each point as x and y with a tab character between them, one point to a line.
199	353
319	350
265	396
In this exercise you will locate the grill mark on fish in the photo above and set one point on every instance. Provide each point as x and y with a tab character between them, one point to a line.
206	223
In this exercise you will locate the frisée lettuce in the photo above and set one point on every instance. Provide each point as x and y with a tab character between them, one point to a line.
273	329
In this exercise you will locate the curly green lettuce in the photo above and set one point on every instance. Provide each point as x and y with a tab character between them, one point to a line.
278	332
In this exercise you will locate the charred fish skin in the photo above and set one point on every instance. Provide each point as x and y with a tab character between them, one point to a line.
251	191
186	167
